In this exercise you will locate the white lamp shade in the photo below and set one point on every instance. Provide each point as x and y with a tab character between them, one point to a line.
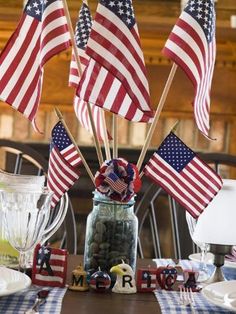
217	224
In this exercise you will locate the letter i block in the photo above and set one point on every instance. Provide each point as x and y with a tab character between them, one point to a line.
146	279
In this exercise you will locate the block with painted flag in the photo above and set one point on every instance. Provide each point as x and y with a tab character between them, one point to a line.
82	32
49	266
41	33
115	78
63	163
146	279
192	46
183	175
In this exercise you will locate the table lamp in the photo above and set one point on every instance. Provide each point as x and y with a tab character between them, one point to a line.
217	226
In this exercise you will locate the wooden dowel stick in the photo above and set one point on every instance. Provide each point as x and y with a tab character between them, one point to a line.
95	137
173	129
72	35
157	115
60	117
96	142
115	135
105	136
105	139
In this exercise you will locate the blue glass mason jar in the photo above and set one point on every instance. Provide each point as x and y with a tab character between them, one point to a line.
111	234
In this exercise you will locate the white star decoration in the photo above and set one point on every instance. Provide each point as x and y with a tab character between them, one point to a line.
203	13
174	152
123	9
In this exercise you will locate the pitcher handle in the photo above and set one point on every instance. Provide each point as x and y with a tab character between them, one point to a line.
57	222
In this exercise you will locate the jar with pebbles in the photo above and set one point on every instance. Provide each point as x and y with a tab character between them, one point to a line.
111	234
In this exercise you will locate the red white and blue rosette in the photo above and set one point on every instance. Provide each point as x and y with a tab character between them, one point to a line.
118	179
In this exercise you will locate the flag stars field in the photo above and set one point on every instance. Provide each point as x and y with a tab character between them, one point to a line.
122	9
188	179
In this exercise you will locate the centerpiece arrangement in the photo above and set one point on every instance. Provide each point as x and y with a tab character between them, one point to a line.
112	227
108	73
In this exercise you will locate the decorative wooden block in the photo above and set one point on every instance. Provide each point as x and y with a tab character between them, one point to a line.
79	279
49	266
190	279
146	279
166	277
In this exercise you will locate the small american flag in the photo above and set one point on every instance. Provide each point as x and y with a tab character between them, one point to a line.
115	183
183	175
66	147
192	46
115	78
82	32
41	33
49	266
63	162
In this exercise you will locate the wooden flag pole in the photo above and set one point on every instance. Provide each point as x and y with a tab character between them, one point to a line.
157	115
173	129
60	117
114	135
106	140
96	142
105	136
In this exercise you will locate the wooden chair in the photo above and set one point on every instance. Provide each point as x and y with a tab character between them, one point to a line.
163	231
20	158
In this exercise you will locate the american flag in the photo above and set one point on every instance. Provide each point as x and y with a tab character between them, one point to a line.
192	46
63	162
115	78
146	280
49	266
183	175
115	183
41	33
82	32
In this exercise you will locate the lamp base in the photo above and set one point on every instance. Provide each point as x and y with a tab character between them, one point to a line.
219	252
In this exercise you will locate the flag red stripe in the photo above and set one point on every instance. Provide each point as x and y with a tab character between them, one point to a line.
88	84
182	200
14	63
18	85
24	104
196	58
60	172
29	48
182	187
200	177
107	23
115	78
175	38
56	50
100	59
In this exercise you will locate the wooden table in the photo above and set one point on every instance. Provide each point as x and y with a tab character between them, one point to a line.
92	302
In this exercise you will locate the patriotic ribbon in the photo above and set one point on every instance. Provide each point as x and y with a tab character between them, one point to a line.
118	179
